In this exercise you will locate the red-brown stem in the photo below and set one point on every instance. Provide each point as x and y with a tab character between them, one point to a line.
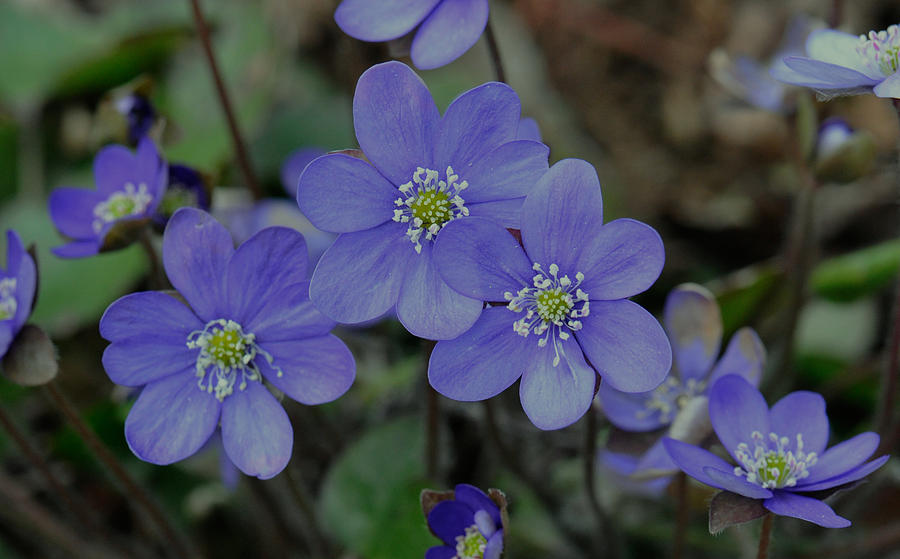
764	536
495	52
240	148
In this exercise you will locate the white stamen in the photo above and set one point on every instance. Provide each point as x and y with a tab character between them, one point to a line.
772	464
429	204
123	203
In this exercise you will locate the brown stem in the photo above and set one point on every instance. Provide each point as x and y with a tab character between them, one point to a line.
764	536
681	516
837	13
319	544
240	148
157	275
131	487
495	52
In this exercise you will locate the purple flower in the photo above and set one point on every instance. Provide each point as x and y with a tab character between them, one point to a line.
248	317
843	64
567	306
780	452
446	28
423	171
185	189
469	525
129	188
17	286
694	326
139	113
294	165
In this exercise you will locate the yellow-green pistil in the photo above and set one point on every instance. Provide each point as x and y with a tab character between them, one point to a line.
428	202
128	202
470	545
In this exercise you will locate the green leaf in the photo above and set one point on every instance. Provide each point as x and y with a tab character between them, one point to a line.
370	498
857	274
740	294
72	293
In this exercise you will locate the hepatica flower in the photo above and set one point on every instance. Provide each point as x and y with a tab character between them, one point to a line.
839	63
444	29
139	113
694	326
469	525
17	285
779	453
129	188
423	172
248	323
559	305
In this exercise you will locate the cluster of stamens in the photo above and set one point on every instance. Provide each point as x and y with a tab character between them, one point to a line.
880	50
470	545
551	303
670	397
123	203
428	203
8	304
226	352
772	464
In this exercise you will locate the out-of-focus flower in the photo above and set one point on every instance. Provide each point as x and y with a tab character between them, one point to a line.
470	525
129	189
17	288
423	172
780	453
620	467
694	326
567	305
248	317
293	167
842	153
186	189
139	113
839	63
750	80
444	29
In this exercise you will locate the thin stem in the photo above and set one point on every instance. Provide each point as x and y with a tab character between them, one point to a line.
132	488
432	423
764	537
837	13
495	52
157	277
682	515
610	536
319	544
240	148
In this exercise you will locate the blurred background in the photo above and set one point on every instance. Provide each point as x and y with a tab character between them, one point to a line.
649	91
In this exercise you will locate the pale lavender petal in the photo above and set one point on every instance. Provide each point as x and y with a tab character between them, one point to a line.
744	356
359	276
784	503
288	314
478	500
449	519
855	474
736	410
837	47
620	259
842	457
256	431
171	419
481	259
151	170
728	481
626	345
395	120
72	211
484	523
451	29
828	76
804	413
529	130
6	336
342	194
628	410
562	214
693	461
889	88
196	250
475	123
556	394
656	458
694	324
381	20
482	362
428	307
508	171
311	371
507	213
494	547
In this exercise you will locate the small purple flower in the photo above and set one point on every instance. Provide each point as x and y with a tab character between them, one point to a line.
423	172
129	188
694	325
185	189
139	113
470	526
780	452
833	135
566	302
294	165
839	63
17	286
446	28
248	317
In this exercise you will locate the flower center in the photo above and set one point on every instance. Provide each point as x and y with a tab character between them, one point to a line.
8	304
773	464
123	203
880	50
471	545
670	397
551	303
177	196
225	353
428	203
